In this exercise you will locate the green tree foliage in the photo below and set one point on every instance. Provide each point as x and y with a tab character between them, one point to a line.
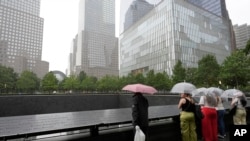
139	78
108	84
179	73
191	75
71	83
208	71
28	82
49	82
235	69
162	82
82	75
150	78
8	79
246	50
89	84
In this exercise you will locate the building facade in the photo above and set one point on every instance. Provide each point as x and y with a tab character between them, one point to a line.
21	36
174	30
136	10
97	46
242	35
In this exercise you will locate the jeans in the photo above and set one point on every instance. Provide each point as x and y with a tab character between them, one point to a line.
221	124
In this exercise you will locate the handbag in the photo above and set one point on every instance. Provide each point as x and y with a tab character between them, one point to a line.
233	110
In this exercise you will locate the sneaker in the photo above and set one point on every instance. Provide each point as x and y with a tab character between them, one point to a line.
220	136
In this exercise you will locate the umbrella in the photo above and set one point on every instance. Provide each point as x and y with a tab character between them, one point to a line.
199	92
230	93
215	91
140	88
183	87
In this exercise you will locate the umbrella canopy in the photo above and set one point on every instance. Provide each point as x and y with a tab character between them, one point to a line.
230	93
183	87
215	91
199	92
141	88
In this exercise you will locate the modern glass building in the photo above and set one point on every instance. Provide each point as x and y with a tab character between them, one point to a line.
136	10
21	35
242	35
217	7
174	30
97	46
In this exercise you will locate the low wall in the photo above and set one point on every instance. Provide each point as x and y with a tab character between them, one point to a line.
16	105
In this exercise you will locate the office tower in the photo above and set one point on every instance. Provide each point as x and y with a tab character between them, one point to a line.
136	10
21	34
97	46
242	35
174	30
217	7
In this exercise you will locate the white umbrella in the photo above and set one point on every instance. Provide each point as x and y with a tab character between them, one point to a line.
199	92
183	87
215	91
231	93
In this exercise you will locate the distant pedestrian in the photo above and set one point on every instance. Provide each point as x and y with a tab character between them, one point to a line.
209	125
140	112
187	118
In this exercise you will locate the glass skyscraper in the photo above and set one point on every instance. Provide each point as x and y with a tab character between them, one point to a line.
21	35
97	46
174	30
136	11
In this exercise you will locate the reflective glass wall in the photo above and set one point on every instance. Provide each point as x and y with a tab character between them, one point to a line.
173	30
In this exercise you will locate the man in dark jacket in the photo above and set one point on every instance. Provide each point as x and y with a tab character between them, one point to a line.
140	112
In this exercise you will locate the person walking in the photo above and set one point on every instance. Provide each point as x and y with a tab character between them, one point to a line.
220	115
240	116
209	125
187	118
140	112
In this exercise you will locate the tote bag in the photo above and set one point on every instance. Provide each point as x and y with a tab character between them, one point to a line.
139	135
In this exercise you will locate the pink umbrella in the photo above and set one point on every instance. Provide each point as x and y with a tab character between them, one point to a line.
140	88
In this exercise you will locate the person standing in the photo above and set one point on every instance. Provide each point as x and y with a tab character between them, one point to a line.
220	114
209	125
140	112
240	116
187	118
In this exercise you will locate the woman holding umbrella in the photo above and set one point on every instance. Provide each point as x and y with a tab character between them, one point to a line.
187	117
239	100
187	105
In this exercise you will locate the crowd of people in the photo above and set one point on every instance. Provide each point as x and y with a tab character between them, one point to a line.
212	124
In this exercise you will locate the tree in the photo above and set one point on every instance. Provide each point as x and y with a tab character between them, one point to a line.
246	50
28	82
179	73
7	79
89	84
208	71
82	75
71	83
150	78
163	81
108	83
191	75
235	69
49	82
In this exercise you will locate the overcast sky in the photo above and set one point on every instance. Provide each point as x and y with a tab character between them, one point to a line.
60	26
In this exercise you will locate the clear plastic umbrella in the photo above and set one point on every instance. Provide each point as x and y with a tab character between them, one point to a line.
183	87
215	91
199	92
231	93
